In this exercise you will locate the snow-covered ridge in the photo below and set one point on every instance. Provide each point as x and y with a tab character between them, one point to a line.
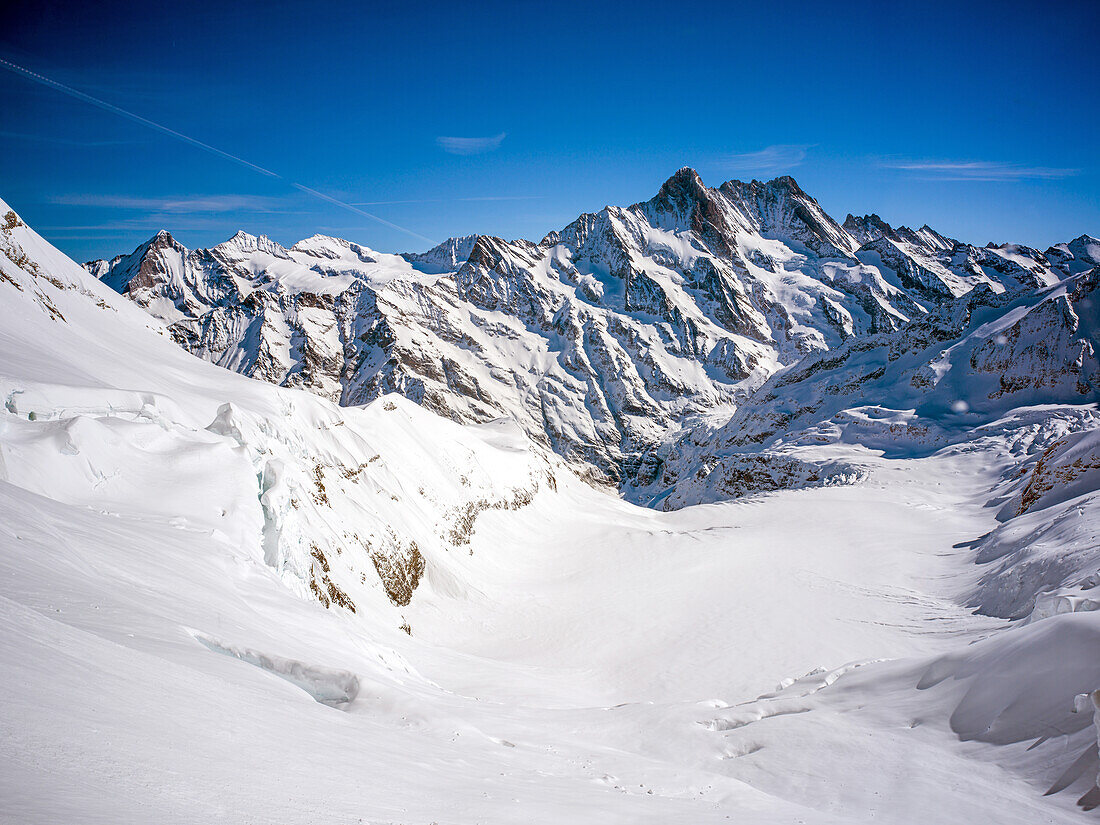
602	340
909	392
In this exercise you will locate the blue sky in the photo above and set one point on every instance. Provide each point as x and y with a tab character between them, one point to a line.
513	118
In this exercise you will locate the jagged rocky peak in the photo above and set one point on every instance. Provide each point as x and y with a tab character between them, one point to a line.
454	254
148	265
1077	255
490	251
871	228
163	238
243	243
684	203
929	238
783	183
330	248
445	257
868	228
1086	248
587	227
781	209
778	208
500	274
486	251
683	187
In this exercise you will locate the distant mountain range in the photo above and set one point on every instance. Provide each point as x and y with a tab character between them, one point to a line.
627	340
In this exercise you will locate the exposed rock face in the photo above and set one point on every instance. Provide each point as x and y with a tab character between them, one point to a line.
1041	559
909	391
400	574
1065	470
741	474
603	339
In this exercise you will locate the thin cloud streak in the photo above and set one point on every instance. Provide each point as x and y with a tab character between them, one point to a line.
56	141
359	211
470	145
175	205
146	224
110	107
109	235
455	200
773	158
504	198
977	170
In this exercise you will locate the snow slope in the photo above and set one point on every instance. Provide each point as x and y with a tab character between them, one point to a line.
550	653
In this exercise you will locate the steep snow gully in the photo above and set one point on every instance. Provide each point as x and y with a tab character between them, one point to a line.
867	590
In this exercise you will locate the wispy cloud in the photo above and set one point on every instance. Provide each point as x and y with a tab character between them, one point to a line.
470	145
769	159
504	198
176	205
976	170
137	227
58	141
147	223
455	200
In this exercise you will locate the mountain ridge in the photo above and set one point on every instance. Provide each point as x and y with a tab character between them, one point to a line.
604	339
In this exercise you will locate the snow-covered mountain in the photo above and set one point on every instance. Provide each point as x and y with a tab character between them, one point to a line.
931	383
225	600
603	340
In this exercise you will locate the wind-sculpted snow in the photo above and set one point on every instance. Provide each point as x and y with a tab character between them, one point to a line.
601	340
1041	560
1068	468
327	685
1012	690
1086	703
737	475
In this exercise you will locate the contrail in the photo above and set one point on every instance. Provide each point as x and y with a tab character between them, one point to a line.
357	210
110	107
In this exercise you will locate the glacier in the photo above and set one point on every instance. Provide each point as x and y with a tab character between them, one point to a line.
465	559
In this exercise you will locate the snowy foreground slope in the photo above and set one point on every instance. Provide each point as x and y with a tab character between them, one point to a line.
227	601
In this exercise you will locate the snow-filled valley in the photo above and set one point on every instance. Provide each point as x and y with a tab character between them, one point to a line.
866	589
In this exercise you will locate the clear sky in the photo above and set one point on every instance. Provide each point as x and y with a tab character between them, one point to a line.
513	118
